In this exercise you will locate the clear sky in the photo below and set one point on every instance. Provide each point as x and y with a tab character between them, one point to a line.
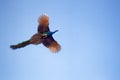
89	33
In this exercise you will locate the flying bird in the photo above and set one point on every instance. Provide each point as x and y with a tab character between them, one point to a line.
43	35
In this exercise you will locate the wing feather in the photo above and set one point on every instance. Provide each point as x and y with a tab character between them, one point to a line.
53	45
36	39
43	24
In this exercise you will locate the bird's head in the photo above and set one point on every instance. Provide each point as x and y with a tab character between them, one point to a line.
43	20
54	32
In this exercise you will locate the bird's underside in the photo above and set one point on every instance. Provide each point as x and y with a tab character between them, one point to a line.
46	39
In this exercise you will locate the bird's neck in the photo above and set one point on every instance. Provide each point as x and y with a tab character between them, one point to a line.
50	32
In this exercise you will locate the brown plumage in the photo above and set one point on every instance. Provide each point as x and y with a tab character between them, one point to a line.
49	42
44	36
35	39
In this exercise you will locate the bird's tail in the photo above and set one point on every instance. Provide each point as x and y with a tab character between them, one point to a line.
20	45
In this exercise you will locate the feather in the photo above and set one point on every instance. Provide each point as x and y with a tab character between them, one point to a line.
53	45
36	39
44	36
20	45
43	20
43	24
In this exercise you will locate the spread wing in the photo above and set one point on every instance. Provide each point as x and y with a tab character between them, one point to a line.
50	43
43	24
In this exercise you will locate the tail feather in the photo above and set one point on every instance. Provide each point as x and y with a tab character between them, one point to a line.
20	45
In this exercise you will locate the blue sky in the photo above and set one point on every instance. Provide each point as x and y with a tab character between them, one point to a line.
89	33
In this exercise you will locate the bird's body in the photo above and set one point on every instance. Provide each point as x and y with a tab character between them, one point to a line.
44	36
